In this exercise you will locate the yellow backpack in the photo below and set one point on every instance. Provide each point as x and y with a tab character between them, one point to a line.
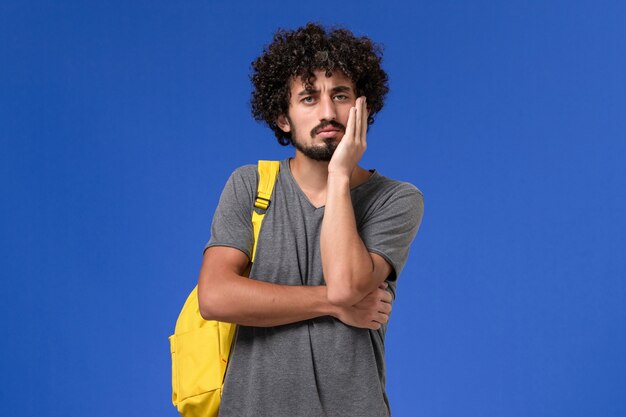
200	348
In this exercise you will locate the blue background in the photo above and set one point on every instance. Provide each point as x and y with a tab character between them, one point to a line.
121	121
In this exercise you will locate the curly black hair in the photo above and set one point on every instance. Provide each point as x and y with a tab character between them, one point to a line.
299	53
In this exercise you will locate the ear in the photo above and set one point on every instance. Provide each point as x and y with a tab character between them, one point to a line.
283	123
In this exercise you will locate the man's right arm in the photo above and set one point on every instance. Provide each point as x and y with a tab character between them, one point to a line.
225	294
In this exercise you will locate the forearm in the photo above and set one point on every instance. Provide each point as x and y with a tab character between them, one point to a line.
347	264
224	294
236	299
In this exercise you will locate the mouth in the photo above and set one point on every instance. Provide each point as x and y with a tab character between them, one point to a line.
328	130
328	133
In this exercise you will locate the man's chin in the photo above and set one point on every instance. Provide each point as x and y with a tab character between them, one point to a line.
322	153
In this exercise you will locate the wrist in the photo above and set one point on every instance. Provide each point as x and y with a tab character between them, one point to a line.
338	178
329	309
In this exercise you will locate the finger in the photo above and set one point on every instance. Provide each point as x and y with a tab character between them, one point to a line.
381	318
386	297
374	325
384	308
364	116
357	122
350	124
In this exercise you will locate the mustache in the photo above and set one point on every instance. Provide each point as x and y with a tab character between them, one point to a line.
325	124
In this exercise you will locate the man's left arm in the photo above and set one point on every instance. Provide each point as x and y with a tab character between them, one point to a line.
350	270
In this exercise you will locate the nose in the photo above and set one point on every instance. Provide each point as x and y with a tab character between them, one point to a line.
327	109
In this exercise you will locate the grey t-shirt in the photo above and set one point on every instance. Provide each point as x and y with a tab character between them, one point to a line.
319	367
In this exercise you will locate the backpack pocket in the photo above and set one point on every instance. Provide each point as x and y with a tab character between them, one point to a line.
197	367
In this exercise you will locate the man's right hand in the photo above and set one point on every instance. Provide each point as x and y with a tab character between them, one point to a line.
369	313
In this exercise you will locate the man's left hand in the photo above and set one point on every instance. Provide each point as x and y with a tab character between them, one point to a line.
353	144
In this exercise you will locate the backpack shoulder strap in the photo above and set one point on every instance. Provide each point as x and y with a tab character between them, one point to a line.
268	171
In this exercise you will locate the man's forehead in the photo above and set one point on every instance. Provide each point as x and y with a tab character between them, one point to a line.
333	79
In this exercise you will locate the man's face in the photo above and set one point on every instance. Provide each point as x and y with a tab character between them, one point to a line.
318	113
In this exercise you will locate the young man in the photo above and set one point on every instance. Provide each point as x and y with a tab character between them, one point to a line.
312	315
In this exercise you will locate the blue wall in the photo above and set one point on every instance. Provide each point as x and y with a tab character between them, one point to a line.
120	122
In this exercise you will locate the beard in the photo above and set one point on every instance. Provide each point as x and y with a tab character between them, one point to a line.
322	152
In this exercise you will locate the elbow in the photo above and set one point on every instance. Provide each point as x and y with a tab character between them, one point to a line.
343	296
205	308
205	312
208	304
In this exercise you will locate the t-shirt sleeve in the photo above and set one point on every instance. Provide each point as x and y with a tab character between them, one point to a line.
232	225
391	228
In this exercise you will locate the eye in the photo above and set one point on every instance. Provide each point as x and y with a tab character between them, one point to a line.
308	100
341	97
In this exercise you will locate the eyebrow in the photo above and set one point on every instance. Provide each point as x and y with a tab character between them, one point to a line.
338	89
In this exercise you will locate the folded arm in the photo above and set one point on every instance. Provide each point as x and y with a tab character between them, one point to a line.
225	294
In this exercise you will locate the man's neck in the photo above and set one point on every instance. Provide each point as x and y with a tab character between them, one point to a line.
312	175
